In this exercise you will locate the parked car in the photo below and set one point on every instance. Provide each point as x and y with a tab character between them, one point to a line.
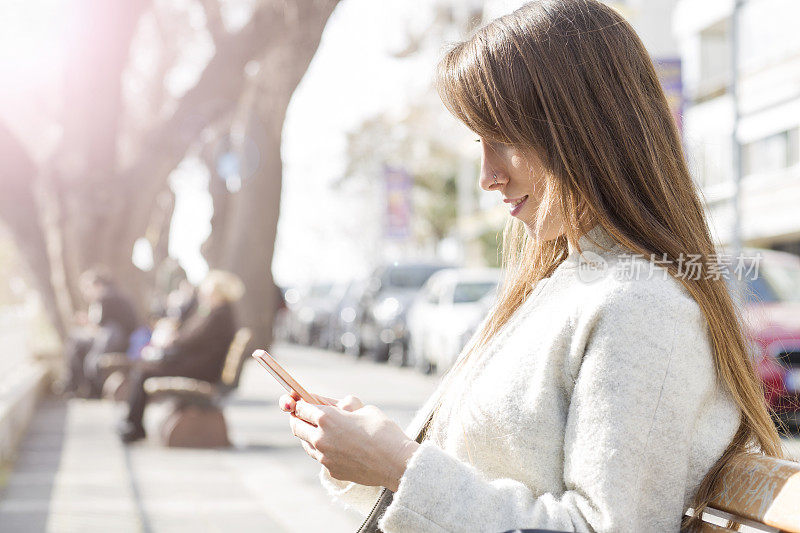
445	313
343	327
280	331
287	325
390	291
772	315
485	304
312	312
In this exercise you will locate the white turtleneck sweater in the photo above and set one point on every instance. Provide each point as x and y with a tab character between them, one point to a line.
595	408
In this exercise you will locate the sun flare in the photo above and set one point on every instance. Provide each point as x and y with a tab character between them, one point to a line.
31	38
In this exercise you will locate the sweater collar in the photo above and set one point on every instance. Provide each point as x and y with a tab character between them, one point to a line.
596	240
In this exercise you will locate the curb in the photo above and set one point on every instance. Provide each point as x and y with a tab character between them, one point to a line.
19	394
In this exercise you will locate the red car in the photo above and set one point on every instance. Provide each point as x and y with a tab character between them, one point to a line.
772	315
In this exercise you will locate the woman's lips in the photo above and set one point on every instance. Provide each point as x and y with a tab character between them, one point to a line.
517	207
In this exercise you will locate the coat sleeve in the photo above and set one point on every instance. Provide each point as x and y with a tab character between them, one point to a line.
203	344
646	370
360	498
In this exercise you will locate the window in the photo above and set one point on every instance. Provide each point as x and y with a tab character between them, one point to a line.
772	153
432	294
776	282
712	159
715	60
784	280
408	277
467	292
320	291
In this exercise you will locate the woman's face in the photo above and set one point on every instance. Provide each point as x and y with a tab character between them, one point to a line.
208	295
521	182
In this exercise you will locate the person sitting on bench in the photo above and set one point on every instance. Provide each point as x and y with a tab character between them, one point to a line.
106	327
197	351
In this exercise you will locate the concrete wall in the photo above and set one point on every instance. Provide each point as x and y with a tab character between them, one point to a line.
19	394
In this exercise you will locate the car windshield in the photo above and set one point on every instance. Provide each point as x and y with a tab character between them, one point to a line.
768	282
353	289
408	277
758	291
784	280
468	292
318	291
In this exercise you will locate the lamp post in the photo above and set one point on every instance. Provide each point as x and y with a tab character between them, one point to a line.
736	234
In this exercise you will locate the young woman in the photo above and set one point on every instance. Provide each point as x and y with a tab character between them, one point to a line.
610	383
197	349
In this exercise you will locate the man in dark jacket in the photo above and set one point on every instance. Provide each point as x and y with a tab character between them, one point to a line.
198	351
107	327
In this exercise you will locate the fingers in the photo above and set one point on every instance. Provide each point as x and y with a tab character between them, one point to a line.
286	403
350	403
326	399
311	451
304	431
308	412
307	434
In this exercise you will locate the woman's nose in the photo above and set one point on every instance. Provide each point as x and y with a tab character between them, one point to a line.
490	180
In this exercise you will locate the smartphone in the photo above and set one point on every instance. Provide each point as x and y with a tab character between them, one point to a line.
284	378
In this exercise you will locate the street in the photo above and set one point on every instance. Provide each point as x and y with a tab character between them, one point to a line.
73	475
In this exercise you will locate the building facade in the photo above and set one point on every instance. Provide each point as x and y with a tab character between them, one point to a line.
768	126
481	215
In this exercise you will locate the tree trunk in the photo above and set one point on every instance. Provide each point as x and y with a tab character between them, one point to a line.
99	35
250	233
251	221
157	233
213	249
83	209
19	211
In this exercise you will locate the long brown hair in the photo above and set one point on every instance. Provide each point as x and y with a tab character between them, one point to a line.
571	81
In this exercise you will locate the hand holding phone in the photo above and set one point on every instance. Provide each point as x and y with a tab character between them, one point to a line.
284	378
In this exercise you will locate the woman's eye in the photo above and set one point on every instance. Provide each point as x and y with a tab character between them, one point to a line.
477	140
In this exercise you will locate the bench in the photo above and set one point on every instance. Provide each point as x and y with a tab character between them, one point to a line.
756	491
195	418
113	371
753	493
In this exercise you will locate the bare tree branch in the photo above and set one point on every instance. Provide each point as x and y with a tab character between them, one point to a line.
85	166
216	93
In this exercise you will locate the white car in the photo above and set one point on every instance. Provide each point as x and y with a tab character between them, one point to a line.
446	312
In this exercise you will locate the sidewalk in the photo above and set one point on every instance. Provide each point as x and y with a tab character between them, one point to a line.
74	475
21	380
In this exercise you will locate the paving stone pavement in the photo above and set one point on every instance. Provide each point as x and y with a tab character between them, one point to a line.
74	475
